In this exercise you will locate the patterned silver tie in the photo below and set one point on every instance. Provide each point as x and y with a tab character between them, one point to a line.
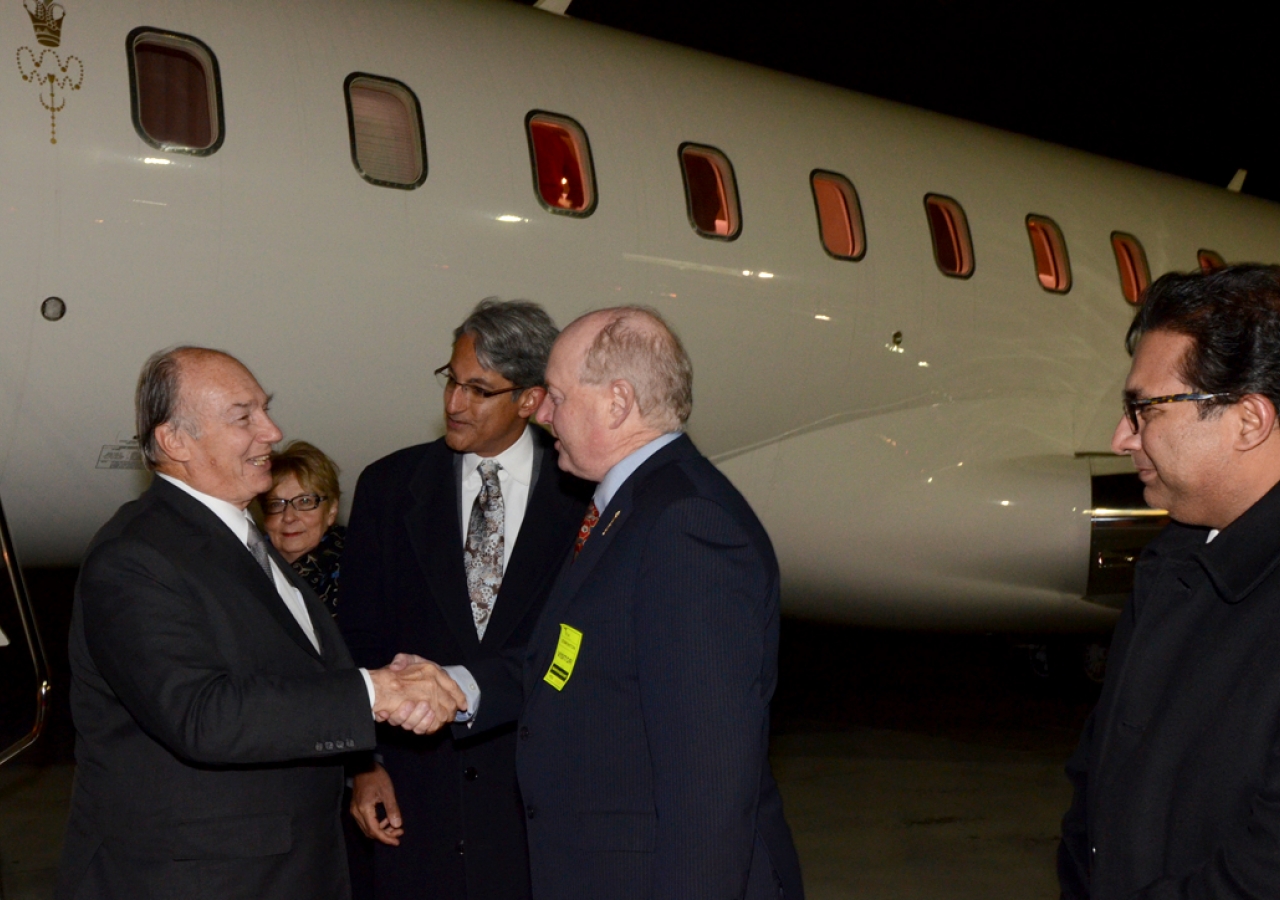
258	547
485	546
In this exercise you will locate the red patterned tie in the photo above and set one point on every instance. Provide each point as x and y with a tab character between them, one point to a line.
584	531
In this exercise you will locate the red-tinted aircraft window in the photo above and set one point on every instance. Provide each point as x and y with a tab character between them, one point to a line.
1131	261
563	177
1049	249
839	215
952	246
177	100
710	192
384	121
1210	261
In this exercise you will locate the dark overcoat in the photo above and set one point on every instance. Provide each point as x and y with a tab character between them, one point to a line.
1177	776
404	590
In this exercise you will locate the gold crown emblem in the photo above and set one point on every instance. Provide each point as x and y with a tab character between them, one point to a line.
46	19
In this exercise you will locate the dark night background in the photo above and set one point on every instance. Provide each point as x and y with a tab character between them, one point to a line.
1186	89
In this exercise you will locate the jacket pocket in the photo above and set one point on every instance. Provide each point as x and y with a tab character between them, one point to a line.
233	837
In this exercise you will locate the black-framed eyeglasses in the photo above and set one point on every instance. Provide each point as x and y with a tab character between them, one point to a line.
444	375
302	503
1133	407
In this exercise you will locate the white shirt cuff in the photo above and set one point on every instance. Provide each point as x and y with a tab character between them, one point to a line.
368	684
469	688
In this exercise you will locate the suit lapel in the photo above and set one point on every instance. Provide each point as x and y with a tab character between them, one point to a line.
325	637
548	519
228	558
435	533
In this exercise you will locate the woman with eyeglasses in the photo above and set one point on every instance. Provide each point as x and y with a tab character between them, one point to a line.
298	515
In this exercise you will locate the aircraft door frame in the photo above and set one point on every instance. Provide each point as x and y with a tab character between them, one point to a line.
34	645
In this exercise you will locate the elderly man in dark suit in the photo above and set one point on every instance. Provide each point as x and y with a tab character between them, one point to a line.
451	550
1177	777
643	745
211	693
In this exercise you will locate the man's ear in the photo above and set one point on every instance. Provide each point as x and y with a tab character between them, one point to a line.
1257	416
174	442
530	400
622	401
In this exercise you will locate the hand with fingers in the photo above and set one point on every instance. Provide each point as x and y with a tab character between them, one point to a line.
370	789
416	695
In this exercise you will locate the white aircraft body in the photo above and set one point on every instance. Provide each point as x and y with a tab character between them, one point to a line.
922	448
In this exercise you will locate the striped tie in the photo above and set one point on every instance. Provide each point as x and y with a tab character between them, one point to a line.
584	531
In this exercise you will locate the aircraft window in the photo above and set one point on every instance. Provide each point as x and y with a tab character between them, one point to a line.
176	92
388	145
563	177
1210	261
1053	268
839	215
952	246
710	192
1131	260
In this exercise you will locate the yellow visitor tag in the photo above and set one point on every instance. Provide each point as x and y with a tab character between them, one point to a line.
566	655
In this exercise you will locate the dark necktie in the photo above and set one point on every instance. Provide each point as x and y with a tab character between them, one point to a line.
258	547
584	531
485	546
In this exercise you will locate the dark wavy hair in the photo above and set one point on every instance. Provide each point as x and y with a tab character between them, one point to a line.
1232	316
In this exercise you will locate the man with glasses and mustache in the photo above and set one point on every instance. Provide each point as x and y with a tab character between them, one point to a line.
1177	776
451	550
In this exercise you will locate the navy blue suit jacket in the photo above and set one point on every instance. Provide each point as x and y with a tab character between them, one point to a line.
646	775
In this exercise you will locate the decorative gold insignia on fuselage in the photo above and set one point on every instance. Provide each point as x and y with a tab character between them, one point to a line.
54	75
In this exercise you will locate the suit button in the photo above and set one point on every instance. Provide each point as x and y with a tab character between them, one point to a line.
457	848
350	742
524	732
531	811
328	745
471	774
319	746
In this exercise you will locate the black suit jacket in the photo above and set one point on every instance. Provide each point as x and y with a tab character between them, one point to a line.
1177	776
207	725
646	775
404	589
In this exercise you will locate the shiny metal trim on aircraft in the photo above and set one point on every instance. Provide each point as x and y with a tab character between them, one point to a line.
34	645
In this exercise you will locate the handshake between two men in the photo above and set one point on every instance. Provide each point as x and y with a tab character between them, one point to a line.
415	694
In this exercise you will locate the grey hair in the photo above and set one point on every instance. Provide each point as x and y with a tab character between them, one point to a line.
158	399
512	338
637	346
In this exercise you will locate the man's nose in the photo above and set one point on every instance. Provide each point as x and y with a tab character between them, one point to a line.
455	401
1124	439
270	433
544	415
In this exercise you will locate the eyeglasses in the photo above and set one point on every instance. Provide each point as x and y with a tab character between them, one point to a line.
445	376
1133	407
302	503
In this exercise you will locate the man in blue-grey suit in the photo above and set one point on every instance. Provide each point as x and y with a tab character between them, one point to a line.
643	744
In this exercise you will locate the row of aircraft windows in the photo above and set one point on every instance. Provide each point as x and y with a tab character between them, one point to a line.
177	107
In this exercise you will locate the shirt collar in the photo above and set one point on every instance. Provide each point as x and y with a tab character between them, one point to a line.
516	460
233	517
626	467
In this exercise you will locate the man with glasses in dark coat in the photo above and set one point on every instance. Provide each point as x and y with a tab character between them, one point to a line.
451	550
1177	777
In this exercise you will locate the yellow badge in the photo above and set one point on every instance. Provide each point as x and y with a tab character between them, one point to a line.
566	655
